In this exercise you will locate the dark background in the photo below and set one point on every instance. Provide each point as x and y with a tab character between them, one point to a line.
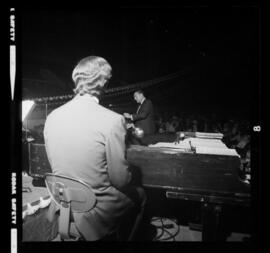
215	51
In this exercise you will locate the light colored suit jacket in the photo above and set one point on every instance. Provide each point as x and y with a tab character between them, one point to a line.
86	141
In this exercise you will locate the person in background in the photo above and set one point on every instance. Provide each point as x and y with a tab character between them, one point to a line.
160	125
234	136
226	133
144	116
194	126
172	125
243	144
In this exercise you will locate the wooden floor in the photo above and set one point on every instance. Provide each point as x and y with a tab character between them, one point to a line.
185	234
161	228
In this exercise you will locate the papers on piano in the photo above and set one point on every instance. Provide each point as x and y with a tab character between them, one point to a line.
201	146
184	145
209	135
212	146
216	151
202	135
212	143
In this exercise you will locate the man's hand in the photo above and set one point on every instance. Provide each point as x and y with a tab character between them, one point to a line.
127	115
130	125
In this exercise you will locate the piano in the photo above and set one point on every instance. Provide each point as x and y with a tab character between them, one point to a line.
211	180
212	177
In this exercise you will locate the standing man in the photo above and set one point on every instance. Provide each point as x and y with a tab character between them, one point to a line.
86	141
144	117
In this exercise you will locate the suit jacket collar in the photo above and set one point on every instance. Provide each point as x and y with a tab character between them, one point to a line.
139	107
142	101
88	97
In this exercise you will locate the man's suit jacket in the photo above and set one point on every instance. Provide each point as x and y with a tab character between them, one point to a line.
144	118
86	141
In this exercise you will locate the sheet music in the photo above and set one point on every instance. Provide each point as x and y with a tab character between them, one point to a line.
200	142
201	145
209	135
216	151
181	145
188	142
211	146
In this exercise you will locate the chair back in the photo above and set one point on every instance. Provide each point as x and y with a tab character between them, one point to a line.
72	196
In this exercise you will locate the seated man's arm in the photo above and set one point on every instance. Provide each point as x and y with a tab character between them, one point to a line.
118	167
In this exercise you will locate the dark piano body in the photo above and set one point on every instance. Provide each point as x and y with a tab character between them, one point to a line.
212	180
209	177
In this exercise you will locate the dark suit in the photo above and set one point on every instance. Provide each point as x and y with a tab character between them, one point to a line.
87	141
144	118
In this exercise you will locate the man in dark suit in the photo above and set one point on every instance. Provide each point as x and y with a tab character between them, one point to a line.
144	117
86	141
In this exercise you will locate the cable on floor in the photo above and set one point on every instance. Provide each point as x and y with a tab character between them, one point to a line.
164	228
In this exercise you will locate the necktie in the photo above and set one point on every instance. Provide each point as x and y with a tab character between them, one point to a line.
138	108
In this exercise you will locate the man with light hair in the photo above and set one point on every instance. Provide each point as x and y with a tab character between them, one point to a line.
91	75
86	141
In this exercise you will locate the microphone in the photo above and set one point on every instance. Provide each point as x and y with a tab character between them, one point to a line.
135	131
138	132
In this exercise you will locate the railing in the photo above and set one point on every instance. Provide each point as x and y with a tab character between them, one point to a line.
110	92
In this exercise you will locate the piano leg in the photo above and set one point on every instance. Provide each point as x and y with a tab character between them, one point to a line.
211	222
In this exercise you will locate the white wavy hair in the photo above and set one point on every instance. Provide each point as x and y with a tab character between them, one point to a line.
90	75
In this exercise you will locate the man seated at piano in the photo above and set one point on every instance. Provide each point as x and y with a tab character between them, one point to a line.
143	118
86	141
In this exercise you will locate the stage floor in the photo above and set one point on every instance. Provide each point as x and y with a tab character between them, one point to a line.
174	231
